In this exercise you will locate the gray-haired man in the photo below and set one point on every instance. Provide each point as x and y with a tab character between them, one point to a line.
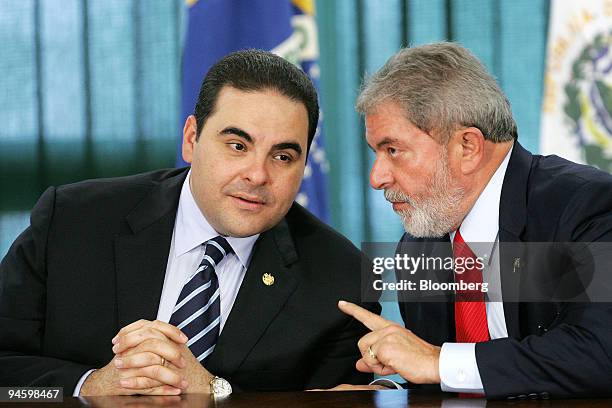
448	160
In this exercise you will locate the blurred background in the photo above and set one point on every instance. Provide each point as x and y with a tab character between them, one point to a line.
101	88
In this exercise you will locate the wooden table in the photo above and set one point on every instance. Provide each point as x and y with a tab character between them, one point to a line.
348	399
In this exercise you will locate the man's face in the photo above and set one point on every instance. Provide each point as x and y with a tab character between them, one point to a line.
248	163
414	171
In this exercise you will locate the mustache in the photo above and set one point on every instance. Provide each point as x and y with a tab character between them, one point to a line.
246	191
397	196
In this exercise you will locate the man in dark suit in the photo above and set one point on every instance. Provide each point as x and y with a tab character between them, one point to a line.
214	275
448	160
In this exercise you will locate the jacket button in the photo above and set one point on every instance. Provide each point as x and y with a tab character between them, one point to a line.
522	396
534	396
544	395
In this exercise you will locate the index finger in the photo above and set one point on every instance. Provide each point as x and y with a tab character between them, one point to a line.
370	320
130	327
170	331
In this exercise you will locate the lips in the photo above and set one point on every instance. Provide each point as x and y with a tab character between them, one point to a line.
249	199
248	203
399	205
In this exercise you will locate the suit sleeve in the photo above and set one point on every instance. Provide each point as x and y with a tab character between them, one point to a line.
23	309
340	355
573	358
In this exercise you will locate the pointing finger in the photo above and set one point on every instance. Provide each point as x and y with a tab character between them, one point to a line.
370	320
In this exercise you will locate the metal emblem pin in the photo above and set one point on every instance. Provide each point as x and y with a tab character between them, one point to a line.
267	279
517	265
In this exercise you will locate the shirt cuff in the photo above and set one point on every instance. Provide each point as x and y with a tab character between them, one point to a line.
385	382
77	389
458	368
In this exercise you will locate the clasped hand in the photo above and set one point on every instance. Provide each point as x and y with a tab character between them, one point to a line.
152	358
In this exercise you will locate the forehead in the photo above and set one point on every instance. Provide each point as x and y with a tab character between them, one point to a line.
387	120
260	113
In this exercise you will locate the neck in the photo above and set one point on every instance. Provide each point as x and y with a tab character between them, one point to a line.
493	157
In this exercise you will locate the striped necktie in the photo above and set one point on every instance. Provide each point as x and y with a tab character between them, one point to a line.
198	309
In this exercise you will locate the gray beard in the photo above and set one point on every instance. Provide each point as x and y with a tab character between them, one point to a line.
434	213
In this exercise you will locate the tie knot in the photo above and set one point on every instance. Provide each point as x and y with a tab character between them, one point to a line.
217	248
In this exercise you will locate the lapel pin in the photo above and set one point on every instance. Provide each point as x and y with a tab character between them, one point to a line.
267	279
517	265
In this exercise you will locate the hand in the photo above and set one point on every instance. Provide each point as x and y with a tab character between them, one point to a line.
392	349
152	378
351	387
108	381
140	348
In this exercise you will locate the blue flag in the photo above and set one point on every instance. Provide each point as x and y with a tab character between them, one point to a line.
285	27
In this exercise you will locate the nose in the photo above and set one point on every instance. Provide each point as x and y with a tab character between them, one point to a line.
380	175
257	172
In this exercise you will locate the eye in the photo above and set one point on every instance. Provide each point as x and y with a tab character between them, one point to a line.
391	151
238	146
284	157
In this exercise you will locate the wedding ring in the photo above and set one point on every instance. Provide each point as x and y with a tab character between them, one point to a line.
163	363
371	353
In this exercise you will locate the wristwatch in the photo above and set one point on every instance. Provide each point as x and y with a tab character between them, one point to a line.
220	387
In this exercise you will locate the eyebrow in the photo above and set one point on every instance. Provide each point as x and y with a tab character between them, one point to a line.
289	145
231	130
383	143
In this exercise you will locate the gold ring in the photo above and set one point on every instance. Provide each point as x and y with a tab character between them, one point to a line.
371	353
163	363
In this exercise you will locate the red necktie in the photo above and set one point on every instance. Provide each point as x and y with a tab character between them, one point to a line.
470	309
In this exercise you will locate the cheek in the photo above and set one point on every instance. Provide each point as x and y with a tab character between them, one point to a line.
218	173
413	179
289	185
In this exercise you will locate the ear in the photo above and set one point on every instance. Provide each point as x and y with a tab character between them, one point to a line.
190	134
471	143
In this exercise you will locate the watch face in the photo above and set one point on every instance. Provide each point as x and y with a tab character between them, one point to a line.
220	387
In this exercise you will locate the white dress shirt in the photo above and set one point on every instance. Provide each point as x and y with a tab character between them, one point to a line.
479	229
191	230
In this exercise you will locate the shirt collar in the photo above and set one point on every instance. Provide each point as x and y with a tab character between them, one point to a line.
481	224
192	229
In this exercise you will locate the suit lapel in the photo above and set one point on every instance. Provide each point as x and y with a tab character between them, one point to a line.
512	219
443	311
511	260
257	304
141	257
433	321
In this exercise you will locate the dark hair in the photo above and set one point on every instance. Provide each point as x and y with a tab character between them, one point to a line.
255	70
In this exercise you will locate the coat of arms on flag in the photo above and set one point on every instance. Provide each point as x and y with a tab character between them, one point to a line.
577	109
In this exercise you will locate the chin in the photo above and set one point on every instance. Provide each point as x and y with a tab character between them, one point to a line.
243	226
243	232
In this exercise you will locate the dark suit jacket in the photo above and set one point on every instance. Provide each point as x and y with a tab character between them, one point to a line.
554	349
94	258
